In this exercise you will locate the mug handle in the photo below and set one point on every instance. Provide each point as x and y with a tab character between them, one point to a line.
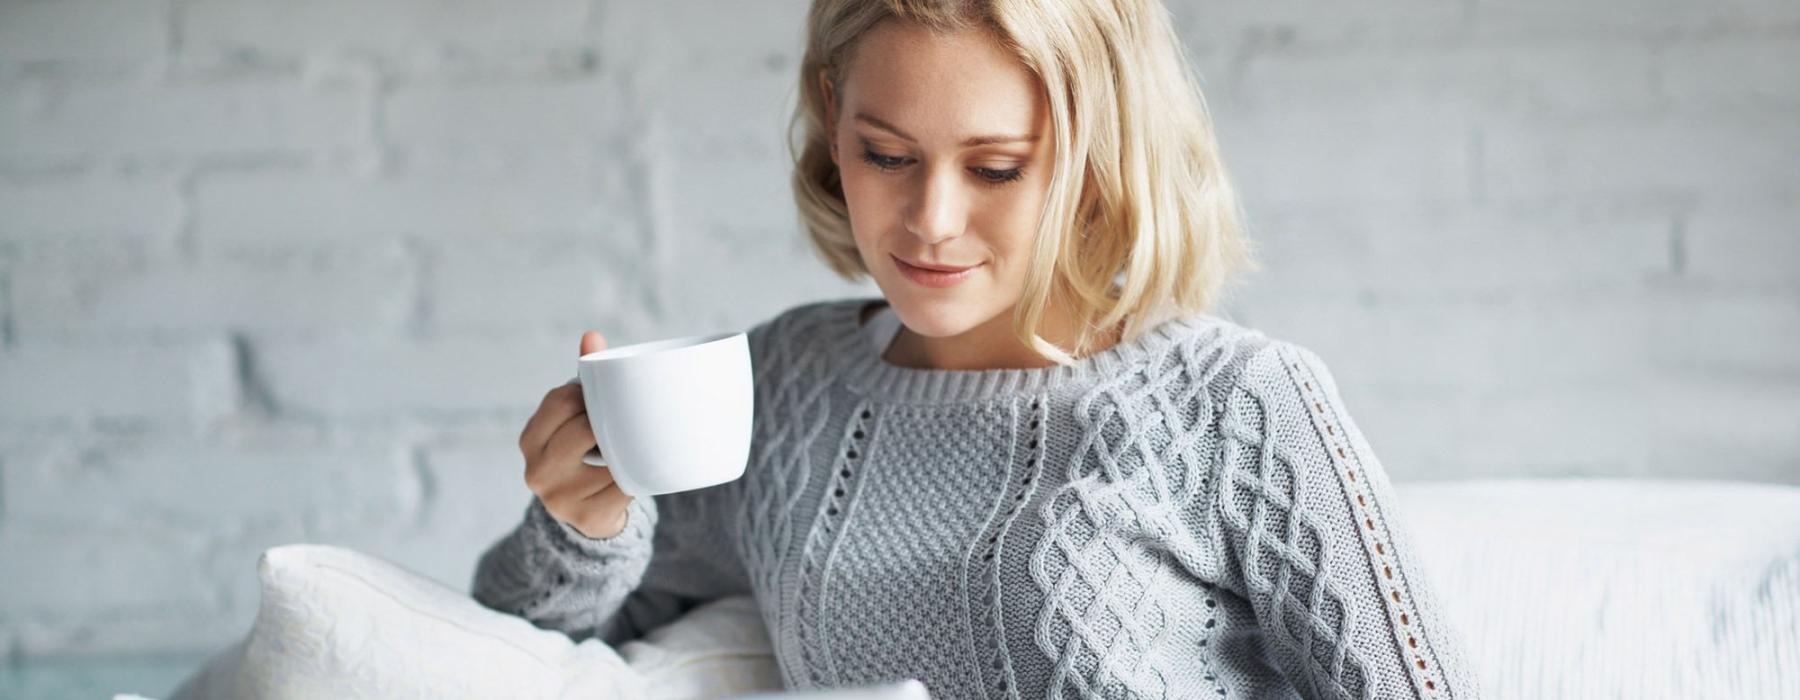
594	459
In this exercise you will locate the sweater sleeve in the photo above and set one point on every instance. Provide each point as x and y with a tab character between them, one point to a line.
547	572
677	551
1313	535
674	554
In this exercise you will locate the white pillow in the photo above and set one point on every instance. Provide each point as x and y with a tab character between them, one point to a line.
1561	587
337	623
1591	588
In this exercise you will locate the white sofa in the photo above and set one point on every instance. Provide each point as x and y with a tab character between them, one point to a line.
1564	588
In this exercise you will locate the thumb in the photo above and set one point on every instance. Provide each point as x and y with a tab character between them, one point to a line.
592	341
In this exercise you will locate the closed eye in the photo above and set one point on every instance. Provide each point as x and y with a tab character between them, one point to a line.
884	162
990	175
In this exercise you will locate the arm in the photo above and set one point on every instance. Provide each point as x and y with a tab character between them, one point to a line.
673	555
549	573
1311	531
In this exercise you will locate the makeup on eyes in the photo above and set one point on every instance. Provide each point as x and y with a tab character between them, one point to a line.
889	162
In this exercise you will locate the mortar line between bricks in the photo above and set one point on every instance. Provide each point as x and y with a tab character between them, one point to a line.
428	486
1477	155
187	236
175	38
254	393
1678	245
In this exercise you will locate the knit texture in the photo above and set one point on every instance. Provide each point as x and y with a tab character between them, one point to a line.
1189	514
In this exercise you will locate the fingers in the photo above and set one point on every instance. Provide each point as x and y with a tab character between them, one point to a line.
558	474
593	504
556	408
570	497
571	440
592	341
553	442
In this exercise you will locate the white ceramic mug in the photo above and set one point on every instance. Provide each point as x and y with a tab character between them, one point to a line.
670	415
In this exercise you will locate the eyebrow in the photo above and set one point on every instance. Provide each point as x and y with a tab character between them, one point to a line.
969	142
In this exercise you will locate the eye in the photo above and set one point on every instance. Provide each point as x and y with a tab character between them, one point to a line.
989	175
999	177
882	161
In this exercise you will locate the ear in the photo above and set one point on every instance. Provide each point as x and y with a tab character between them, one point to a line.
830	98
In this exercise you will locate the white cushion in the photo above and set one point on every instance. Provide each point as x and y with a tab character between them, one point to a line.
1562	588
1589	588
335	623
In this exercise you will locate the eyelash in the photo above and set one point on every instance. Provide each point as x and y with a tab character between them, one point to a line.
990	176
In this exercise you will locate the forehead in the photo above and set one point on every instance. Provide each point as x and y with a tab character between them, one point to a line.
938	85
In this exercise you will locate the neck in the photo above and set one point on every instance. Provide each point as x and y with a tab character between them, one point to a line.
990	345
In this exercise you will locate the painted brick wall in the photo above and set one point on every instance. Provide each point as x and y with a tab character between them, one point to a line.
275	271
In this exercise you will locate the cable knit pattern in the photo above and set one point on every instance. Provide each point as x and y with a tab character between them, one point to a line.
1191	514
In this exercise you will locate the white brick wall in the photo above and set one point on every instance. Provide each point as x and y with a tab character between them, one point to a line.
276	271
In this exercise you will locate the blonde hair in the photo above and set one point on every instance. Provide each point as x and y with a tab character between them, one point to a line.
1141	223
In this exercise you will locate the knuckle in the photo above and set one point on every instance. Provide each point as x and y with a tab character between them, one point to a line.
535	479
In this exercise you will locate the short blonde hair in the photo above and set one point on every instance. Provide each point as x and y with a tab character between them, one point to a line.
1141	223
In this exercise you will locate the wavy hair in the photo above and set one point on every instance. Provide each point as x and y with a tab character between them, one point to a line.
1141	223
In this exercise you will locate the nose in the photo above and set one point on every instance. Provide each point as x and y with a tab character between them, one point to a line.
940	210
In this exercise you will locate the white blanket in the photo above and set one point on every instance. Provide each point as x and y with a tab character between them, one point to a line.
1561	588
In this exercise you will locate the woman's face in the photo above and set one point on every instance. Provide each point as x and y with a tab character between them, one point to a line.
941	145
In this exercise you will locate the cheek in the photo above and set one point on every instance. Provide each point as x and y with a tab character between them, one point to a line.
1014	217
869	198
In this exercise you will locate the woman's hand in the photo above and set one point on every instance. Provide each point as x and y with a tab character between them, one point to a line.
585	497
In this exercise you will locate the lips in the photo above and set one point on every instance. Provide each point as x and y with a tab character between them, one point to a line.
933	278
936	268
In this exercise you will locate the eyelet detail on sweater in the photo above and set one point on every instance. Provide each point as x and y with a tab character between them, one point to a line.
829	522
859	432
1335	446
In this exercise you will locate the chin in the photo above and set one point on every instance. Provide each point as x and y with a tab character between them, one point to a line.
940	317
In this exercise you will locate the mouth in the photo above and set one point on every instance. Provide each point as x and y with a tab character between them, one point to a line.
936	268
934	276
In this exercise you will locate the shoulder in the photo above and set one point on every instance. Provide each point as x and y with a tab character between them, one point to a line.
812	313
802	325
1272	387
1228	359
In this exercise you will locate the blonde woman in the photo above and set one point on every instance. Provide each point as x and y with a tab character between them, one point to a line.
1037	466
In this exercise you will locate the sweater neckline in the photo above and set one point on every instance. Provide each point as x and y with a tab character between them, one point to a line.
863	367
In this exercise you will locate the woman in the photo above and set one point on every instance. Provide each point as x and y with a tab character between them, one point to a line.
1037	467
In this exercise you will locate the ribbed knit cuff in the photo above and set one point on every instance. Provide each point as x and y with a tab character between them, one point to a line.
640	529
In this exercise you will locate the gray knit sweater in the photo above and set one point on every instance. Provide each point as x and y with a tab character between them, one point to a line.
1191	514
